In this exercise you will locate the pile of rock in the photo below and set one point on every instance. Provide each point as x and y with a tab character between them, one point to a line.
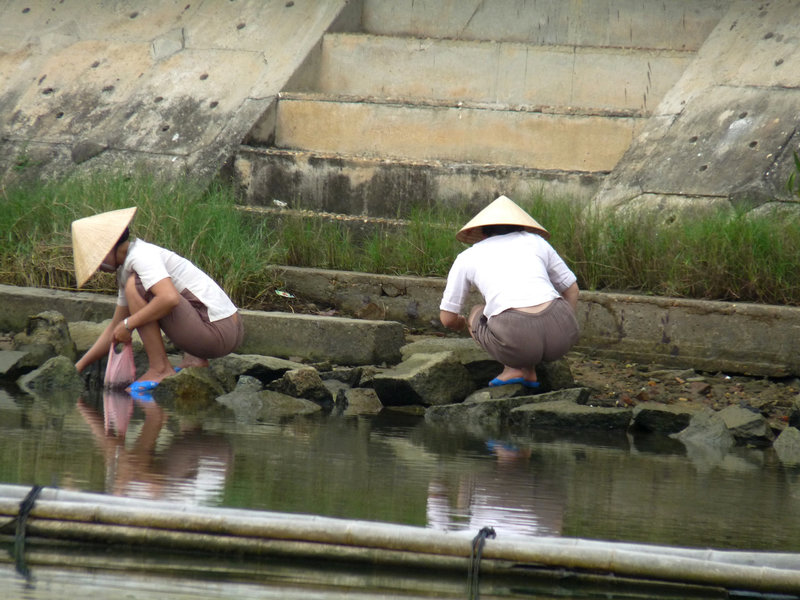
442	378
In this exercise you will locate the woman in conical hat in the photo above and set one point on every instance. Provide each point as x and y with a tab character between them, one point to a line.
530	293
158	290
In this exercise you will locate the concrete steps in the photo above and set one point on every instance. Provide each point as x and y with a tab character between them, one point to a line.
459	101
507	74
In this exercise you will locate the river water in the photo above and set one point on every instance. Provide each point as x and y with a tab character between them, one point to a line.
393	468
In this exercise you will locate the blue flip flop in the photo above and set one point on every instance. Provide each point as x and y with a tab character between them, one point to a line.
497	382
143	386
141	396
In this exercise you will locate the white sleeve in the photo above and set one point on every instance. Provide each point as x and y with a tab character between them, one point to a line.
457	288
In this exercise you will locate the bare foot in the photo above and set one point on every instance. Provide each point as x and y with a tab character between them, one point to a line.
190	360
155	375
512	373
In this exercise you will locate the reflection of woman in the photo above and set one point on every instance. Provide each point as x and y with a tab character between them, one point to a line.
158	290
510	497
192	468
529	292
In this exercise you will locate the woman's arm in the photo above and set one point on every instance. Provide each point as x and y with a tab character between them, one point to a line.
452	320
571	295
100	348
165	299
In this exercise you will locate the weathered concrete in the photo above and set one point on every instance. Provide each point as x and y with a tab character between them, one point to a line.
175	85
707	336
496	72
377	187
467	133
728	127
283	335
614	23
179	86
711	336
350	341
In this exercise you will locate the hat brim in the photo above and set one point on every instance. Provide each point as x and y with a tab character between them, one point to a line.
94	237
502	211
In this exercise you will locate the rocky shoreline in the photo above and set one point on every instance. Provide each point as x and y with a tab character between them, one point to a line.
443	378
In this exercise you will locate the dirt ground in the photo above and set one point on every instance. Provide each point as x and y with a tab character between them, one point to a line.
618	383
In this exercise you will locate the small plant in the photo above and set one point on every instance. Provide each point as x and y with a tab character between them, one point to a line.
793	185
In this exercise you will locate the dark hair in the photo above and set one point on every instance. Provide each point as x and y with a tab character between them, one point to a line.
490	230
123	238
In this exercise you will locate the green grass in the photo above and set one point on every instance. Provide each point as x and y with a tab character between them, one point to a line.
722	256
201	224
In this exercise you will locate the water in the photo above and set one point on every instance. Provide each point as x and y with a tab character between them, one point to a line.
395	468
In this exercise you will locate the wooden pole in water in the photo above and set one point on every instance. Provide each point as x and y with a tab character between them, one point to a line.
102	519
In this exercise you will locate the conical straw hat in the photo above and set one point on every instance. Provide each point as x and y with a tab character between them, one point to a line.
503	211
93	237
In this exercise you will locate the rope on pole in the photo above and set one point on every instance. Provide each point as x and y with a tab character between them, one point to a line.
473	573
19	536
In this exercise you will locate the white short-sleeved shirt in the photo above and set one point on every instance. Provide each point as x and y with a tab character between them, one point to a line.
153	263
514	270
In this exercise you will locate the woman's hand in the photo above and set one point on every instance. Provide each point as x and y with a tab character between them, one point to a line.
452	320
121	333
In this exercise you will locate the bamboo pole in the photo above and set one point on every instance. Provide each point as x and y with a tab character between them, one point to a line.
100	518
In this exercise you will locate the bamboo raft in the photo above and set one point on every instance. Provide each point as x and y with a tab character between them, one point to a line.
65	516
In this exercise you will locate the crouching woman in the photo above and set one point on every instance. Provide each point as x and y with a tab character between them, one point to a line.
158	291
530	295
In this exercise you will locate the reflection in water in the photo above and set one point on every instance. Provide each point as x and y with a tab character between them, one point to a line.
509	496
394	468
190	468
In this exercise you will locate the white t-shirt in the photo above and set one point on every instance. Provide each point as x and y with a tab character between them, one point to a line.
514	270
153	263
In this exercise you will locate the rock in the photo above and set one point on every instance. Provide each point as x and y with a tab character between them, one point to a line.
481	367
746	426
13	363
276	406
794	413
251	404
787	446
245	400
562	410
555	375
426	379
230	368
304	382
248	384
56	374
707	428
663	418
47	334
480	414
361	401
349	375
193	389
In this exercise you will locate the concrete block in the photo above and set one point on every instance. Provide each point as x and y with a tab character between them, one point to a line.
497	73
516	138
340	340
357	185
620	23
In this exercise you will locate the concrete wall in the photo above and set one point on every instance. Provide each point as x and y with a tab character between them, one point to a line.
708	336
704	335
173	84
728	127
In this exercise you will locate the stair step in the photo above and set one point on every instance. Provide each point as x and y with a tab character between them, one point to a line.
500	73
524	138
375	187
650	24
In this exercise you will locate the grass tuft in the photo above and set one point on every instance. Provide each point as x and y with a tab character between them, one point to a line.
721	256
